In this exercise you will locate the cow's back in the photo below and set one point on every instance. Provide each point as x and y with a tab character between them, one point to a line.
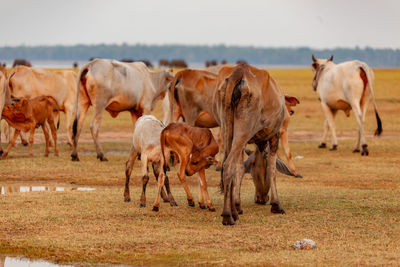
147	132
31	82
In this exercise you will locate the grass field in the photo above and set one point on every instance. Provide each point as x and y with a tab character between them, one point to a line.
348	204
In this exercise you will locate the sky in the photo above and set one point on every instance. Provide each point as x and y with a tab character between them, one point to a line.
277	23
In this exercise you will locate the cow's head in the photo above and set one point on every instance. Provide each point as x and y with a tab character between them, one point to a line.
317	67
291	101
199	160
16	111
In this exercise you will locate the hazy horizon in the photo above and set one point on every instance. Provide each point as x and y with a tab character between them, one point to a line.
267	24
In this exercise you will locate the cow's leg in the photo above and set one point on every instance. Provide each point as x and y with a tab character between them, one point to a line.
145	179
361	137
288	154
31	134
271	174
156	205
54	135
330	116
182	178
171	199
46	137
11	144
69	114
220	151
156	173
201	198
78	123
128	171
51	142
98	111
325	135
203	183
24	142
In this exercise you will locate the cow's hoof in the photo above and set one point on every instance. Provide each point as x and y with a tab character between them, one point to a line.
202	206
235	217
239	209
102	158
142	205
356	150
155	208
74	158
228	220
365	151
25	143
212	209
127	199
260	201
322	145
298	175
333	148
166	200
277	208
190	202
173	203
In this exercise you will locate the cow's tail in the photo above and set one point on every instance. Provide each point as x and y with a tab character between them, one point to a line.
370	77
81	90
233	87
173	98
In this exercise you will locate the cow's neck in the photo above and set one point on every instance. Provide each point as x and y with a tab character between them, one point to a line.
157	79
317	76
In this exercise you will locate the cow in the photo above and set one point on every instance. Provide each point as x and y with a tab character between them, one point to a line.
146	142
210	63
163	63
191	97
196	148
61	85
178	63
250	107
21	62
346	86
115	86
28	114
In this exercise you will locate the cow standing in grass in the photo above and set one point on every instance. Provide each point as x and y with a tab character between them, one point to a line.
346	86
115	86
146	142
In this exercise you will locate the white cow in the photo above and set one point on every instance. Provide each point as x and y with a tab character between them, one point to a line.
4	99
115	86
61	85
146	143
345	86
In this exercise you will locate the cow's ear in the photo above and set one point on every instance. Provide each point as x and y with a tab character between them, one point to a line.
291	100
331	58
315	65
211	160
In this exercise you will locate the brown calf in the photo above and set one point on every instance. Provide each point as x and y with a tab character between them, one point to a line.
196	148
28	114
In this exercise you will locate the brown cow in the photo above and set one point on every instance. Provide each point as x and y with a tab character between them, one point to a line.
191	96
21	62
28	114
250	107
196	148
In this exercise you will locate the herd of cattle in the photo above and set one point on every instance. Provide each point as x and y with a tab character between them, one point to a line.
245	102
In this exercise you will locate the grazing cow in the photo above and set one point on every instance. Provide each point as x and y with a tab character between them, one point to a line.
196	148
146	142
61	85
210	63
28	114
21	62
178	63
163	63
241	61
115	86
250	107
345	86
191	96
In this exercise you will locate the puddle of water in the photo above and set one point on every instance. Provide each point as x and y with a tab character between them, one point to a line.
9	189
117	152
23	262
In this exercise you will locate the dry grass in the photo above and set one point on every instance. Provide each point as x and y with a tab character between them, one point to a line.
348	204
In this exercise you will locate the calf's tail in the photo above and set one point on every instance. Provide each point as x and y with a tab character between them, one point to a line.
162	143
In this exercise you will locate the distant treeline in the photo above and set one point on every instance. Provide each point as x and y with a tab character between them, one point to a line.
253	55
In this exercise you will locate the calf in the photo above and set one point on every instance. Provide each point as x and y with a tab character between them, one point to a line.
28	114
196	148
146	142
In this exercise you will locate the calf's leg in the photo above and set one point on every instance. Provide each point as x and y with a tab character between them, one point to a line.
46	137
31	134
11	144
203	184
128	171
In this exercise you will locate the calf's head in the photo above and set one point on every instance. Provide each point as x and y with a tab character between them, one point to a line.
291	101
199	160
16	111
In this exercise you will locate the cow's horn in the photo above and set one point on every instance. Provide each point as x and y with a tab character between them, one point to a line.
313	58
331	58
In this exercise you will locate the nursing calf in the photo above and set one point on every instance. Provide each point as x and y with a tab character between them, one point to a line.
146	142
27	115
196	148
